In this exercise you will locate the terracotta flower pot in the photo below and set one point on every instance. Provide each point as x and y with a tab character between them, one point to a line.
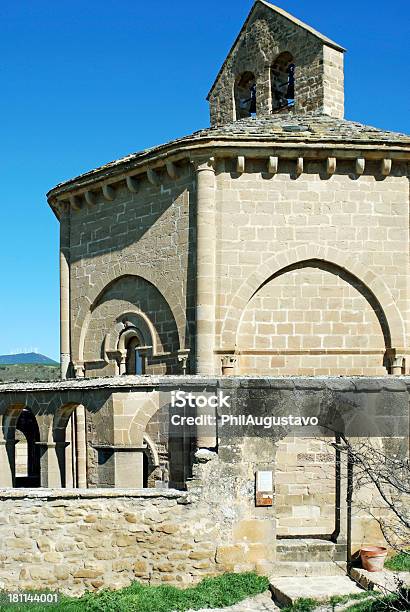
373	558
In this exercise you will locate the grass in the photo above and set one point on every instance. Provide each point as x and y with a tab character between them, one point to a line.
302	605
225	590
381	604
400	562
342	599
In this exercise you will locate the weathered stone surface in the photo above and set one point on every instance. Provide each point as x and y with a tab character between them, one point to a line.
79	556
385	580
289	590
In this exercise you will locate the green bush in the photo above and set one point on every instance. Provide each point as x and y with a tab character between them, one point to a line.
400	562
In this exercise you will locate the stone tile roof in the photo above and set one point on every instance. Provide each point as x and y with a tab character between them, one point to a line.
282	128
311	127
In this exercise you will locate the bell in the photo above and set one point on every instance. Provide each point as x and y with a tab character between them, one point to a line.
252	108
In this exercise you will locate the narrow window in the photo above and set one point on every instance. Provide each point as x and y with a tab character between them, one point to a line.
135	362
245	95
283	82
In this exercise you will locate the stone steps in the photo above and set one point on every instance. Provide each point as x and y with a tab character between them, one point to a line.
305	550
286	590
315	568
308	557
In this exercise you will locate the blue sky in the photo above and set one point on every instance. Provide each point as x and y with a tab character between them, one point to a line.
83	83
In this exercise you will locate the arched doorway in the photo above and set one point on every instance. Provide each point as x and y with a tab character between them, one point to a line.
70	439
27	453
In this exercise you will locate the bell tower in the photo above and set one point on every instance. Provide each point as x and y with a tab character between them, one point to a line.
278	65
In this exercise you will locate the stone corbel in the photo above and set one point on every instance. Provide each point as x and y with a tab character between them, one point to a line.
331	165
386	166
61	206
171	169
273	163
240	164
360	165
132	184
299	166
108	193
153	177
75	202
90	198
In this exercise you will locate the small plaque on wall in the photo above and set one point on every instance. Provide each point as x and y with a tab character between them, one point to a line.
264	488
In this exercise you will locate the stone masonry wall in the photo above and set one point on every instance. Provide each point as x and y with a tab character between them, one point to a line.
143	235
88	538
284	314
311	309
69	541
305	487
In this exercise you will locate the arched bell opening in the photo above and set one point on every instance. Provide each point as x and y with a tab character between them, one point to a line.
27	451
245	95
282	77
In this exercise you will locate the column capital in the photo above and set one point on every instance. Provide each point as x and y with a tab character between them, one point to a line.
204	164
79	369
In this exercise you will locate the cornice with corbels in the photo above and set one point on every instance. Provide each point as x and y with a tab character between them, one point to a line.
162	168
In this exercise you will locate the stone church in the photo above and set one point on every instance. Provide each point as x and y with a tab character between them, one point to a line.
269	247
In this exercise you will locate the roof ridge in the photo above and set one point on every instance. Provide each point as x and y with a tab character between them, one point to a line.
301	23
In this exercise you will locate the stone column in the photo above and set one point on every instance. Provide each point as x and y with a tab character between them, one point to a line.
65	352
81	447
205	255
122	362
70	467
6	460
344	491
51	475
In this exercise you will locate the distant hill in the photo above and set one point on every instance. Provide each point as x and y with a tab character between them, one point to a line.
27	358
29	372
